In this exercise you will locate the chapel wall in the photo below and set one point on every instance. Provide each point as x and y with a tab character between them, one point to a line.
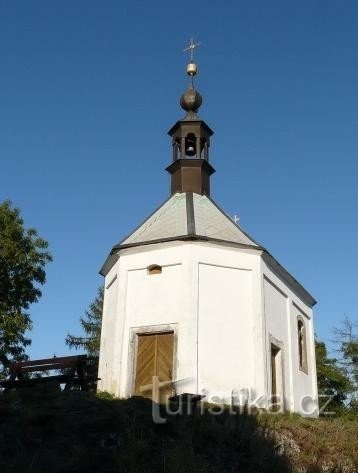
230	354
106	374
225	306
283	306
158	302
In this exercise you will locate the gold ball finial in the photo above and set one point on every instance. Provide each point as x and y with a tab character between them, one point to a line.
191	69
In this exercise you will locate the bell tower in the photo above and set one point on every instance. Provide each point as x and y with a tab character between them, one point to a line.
190	170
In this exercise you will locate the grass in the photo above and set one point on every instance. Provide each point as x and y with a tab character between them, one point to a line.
44	430
321	442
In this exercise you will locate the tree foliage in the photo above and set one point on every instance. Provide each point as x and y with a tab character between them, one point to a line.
333	379
23	257
347	340
91	324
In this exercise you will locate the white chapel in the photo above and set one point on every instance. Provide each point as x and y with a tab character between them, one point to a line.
191	298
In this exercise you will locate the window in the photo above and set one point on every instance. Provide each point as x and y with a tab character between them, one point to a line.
302	345
154	269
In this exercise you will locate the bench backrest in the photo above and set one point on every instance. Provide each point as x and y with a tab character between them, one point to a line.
48	364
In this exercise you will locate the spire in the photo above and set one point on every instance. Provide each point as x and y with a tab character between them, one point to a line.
190	170
191	100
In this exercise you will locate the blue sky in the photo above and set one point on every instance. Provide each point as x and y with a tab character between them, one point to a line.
89	89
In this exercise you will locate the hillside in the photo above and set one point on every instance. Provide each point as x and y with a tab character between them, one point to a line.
43	430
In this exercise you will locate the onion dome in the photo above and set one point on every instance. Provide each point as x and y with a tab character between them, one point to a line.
191	100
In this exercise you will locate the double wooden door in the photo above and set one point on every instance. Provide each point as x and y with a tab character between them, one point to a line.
154	359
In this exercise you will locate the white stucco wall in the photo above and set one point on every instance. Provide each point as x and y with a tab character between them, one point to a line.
108	340
277	327
206	293
223	303
282	307
226	357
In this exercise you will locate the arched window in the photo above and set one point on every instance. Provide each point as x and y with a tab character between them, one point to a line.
302	345
154	269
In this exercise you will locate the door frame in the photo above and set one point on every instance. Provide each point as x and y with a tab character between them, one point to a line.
133	349
278	344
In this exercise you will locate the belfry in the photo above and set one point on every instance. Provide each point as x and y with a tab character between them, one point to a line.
195	305
190	170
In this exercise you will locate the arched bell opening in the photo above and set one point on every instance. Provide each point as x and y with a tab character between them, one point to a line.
176	149
204	150
191	147
196	147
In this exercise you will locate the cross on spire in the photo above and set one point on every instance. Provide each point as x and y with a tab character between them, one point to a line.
191	48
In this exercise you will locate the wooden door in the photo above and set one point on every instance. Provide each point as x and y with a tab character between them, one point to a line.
154	358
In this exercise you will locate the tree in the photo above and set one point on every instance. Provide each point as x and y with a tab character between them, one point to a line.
332	379
91	324
347	340
23	256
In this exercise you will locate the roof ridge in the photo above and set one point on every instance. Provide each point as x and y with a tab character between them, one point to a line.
233	222
119	244
213	222
190	213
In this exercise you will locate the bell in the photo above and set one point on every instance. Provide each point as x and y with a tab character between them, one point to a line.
190	146
190	151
